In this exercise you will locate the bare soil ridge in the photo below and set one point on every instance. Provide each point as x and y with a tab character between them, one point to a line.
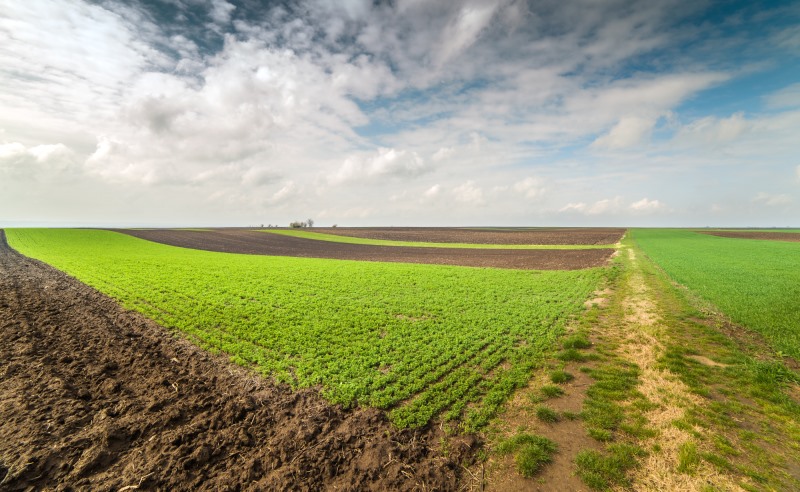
96	397
260	243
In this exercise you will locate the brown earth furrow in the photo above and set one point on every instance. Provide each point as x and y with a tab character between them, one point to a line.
94	397
263	243
572	236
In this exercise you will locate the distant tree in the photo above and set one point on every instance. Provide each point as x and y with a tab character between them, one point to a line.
334	225
310	222
297	224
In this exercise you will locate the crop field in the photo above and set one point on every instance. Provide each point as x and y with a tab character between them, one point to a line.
484	235
755	282
421	341
307	245
339	238
399	372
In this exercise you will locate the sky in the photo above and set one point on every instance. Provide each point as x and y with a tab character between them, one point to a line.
400	113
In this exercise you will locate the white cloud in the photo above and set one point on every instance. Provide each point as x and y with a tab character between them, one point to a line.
221	11
644	205
797	171
712	130
530	187
772	200
51	161
788	97
432	192
629	131
385	162
469	193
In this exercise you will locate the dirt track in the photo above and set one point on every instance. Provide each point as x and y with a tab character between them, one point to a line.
93	397
264	243
576	235
770	236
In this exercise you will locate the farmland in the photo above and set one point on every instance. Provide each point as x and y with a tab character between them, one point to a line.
397	374
262	243
756	283
417	340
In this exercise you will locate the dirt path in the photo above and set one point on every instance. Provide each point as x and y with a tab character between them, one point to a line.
96	397
641	334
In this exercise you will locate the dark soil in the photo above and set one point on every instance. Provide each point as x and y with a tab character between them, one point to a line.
264	243
94	397
483	236
770	236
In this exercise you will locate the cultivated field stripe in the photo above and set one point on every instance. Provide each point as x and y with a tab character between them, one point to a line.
318	236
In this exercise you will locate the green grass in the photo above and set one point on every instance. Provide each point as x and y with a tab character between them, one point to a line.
602	471
551	391
320	236
420	340
531	452
756	283
560	377
547	414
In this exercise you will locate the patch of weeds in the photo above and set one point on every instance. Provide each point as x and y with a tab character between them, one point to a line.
547	414
560	376
577	341
602	471
572	355
721	463
688	458
570	415
531	452
552	391
601	435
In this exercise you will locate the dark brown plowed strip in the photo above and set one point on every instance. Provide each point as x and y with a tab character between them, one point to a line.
770	236
93	397
264	243
482	236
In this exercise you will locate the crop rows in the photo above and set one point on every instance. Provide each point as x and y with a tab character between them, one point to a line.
418	340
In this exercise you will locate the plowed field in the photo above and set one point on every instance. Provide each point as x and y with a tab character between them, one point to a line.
94	397
483	236
260	243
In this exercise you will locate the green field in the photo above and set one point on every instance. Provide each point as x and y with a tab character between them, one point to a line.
420	340
320	236
754	282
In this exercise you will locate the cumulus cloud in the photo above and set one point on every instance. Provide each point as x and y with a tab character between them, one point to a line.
644	205
385	162
49	161
469	193
613	206
530	187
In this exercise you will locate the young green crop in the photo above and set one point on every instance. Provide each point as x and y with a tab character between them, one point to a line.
755	282
418	340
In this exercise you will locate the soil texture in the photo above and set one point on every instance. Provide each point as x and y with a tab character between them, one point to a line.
94	397
483	236
263	243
